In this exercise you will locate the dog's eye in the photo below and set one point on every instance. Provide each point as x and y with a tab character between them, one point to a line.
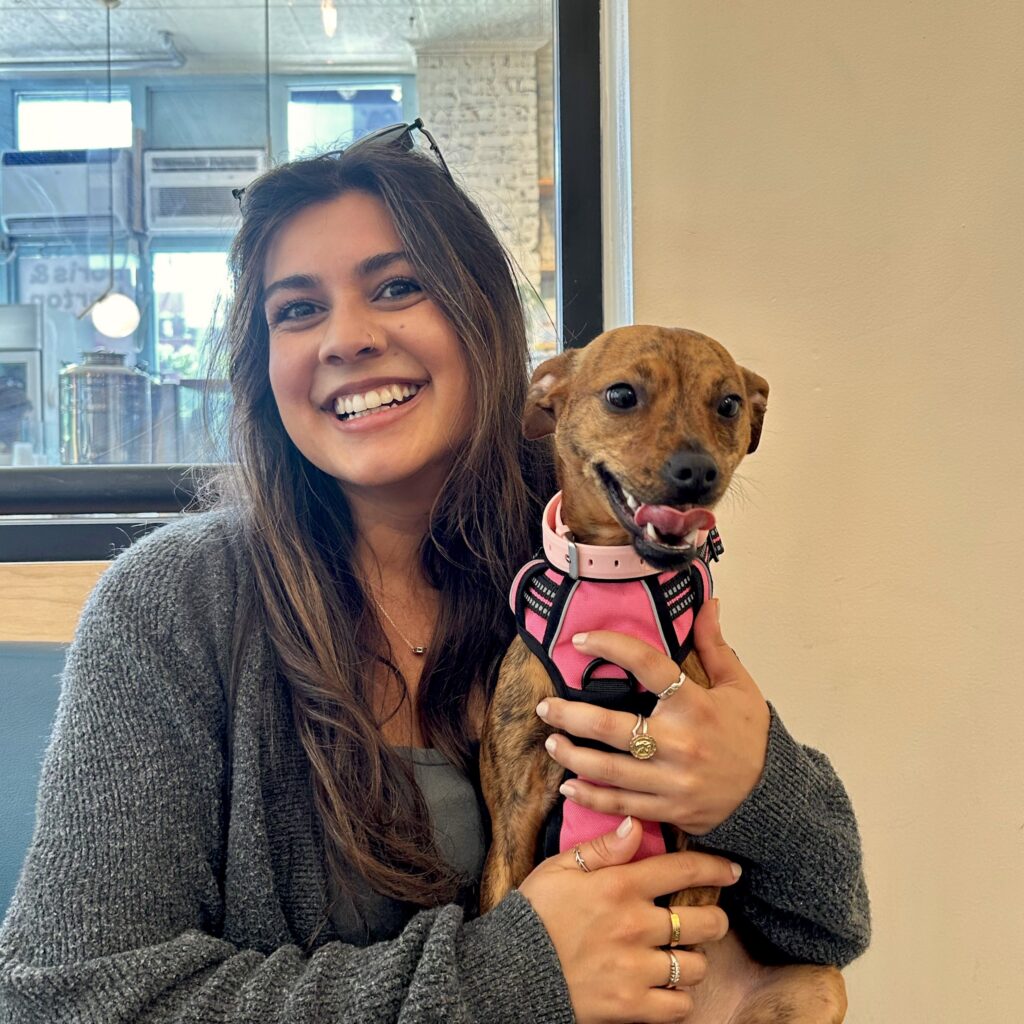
620	396
730	406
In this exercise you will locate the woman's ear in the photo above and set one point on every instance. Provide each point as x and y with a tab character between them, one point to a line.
757	398
549	387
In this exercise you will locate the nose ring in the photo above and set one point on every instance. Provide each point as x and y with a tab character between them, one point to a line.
373	341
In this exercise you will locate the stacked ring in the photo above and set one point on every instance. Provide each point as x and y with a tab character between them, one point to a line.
674	973
580	862
642	745
672	687
674	939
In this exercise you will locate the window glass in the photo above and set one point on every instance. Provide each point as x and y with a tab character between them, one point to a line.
190	290
321	118
50	121
194	114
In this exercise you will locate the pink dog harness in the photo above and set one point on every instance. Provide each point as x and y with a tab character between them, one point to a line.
576	588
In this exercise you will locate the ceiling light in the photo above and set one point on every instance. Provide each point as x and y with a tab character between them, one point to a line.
329	16
113	314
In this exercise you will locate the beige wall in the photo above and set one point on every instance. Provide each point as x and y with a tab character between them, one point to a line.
836	192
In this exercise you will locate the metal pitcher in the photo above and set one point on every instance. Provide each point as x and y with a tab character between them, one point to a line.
105	412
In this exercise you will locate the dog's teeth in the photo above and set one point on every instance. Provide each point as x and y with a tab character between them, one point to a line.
691	539
631	501
652	533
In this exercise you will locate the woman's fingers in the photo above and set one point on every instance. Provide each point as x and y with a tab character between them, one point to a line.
667	873
616	847
581	719
693	967
696	924
651	666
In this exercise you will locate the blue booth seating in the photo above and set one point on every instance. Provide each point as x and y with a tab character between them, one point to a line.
29	687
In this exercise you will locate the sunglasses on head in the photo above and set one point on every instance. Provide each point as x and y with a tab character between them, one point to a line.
393	135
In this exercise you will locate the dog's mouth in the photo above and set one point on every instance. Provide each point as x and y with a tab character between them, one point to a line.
664	535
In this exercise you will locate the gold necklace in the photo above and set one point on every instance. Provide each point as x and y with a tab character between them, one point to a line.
419	649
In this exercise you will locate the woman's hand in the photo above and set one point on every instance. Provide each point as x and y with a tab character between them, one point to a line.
606	929
711	743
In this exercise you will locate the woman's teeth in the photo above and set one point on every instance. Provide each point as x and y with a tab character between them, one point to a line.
387	396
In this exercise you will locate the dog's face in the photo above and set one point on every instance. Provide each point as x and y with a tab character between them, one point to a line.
650	423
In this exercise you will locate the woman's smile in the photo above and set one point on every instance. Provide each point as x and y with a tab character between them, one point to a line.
375	408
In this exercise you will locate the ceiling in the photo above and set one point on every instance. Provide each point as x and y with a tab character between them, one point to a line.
229	36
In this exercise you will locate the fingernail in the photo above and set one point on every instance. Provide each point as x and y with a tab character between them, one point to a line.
736	869
568	790
718	610
625	827
579	639
542	709
550	744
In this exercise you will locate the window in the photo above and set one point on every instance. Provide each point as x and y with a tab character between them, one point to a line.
189	293
325	117
73	120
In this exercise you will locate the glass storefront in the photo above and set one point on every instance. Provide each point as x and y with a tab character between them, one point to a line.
115	210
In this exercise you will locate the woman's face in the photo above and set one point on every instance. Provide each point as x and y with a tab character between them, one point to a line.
368	375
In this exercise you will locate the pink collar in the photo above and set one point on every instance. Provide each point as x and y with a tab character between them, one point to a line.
589	561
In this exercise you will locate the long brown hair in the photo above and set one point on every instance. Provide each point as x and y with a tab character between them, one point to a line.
301	533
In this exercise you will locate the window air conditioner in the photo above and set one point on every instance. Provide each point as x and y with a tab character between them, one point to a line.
65	192
188	191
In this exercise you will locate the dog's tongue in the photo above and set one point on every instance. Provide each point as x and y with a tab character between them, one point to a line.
673	520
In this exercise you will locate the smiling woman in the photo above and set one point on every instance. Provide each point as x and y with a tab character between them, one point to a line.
294	682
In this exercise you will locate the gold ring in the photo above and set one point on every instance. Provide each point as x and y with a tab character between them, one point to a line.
674	973
674	940
642	746
580	862
672	687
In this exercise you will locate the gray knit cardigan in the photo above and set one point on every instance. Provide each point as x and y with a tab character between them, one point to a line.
161	887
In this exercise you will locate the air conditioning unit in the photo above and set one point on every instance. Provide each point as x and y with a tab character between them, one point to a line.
65	192
188	191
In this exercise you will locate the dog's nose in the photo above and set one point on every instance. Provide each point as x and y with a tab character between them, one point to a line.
693	474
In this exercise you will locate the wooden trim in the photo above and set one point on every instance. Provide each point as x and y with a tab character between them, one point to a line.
40	602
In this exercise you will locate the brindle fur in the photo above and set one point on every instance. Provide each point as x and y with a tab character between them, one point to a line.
682	376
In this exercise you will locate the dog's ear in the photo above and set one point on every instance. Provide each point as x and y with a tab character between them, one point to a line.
757	397
547	394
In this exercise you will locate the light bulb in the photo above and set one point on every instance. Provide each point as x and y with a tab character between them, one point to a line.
115	315
329	16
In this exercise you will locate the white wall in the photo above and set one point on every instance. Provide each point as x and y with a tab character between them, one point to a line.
836	192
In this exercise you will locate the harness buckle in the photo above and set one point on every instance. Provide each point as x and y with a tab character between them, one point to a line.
573	557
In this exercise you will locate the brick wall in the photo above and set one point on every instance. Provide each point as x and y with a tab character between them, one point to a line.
482	108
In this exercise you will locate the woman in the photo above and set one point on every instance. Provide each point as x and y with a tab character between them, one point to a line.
259	803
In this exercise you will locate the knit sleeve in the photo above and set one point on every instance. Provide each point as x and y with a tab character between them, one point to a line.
802	895
118	911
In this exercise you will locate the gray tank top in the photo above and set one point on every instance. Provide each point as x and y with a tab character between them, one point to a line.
458	833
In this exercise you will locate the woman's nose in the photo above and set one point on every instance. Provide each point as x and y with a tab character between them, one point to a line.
347	341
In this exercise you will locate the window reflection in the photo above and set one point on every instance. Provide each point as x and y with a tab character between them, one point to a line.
484	85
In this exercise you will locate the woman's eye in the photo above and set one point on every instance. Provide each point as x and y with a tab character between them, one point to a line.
398	288
293	311
620	396
730	406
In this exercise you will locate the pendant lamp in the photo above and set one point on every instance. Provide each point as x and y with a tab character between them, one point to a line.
113	314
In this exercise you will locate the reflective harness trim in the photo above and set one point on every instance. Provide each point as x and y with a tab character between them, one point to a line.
551	606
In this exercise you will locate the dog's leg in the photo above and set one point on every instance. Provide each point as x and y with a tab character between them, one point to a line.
738	990
519	780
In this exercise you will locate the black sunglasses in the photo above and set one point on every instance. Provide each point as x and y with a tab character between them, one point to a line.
393	135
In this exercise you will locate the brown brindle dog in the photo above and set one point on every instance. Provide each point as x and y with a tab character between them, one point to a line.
679	410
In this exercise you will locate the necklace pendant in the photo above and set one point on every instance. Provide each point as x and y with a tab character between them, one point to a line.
419	650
